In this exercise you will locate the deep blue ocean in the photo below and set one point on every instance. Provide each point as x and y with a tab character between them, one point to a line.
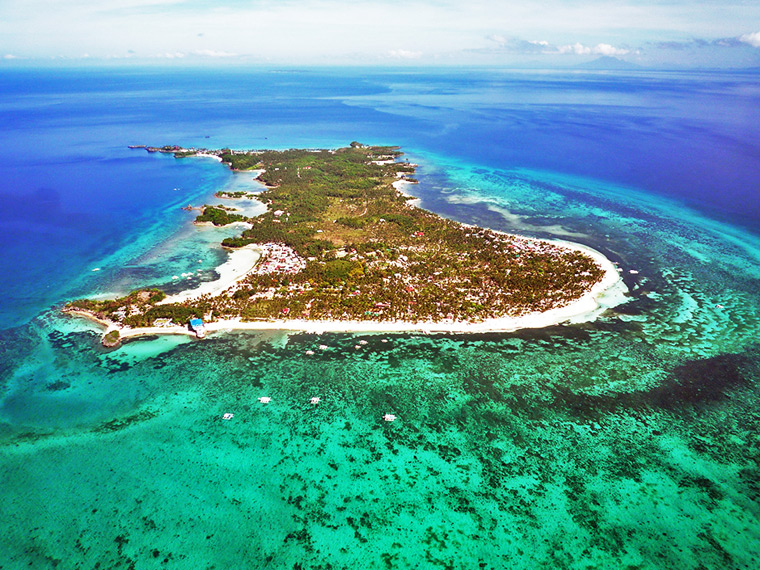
629	442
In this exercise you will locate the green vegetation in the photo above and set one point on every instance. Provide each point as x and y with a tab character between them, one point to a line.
111	338
359	250
219	216
240	160
138	309
236	194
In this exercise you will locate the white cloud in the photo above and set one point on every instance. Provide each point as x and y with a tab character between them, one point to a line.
213	53
499	39
170	55
607	49
10	56
599	49
543	47
315	31
576	49
751	39
514	45
404	54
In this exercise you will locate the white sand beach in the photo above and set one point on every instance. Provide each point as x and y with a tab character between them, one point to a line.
240	263
206	155
401	185
127	332
610	291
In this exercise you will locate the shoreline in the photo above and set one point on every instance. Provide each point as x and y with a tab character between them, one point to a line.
608	292
239	264
399	185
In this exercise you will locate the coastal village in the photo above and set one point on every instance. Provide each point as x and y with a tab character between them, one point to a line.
340	241
278	258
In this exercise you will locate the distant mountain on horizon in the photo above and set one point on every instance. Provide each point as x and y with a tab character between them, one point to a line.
608	62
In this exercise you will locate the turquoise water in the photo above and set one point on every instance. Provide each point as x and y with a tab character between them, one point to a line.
630	442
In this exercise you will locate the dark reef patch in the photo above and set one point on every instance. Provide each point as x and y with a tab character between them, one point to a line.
696	382
126	421
57	386
704	381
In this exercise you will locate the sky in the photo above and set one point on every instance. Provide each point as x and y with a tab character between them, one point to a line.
651	33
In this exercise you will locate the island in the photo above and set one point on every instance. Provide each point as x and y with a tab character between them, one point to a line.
342	246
